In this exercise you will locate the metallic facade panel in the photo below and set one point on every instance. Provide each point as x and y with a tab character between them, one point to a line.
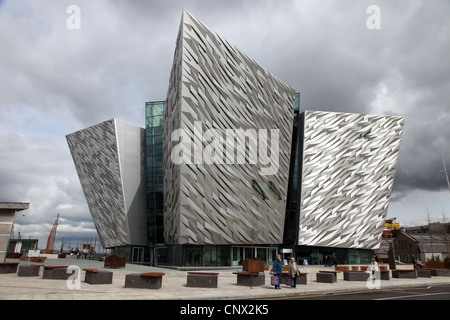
215	86
348	167
110	161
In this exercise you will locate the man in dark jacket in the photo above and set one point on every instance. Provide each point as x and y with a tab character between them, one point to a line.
277	270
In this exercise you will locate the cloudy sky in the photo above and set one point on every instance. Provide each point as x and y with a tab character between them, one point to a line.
55	80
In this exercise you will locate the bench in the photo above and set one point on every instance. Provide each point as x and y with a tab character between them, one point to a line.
301	279
326	276
149	280
440	272
356	275
384	274
423	273
251	279
29	271
404	274
8	267
94	276
56	272
37	259
342	268
202	279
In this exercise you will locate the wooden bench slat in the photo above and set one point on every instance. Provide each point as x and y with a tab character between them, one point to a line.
152	274
247	273
204	273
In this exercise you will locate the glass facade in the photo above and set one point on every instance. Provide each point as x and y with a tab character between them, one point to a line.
154	174
291	218
316	255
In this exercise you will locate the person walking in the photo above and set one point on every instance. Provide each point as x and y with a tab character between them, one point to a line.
293	271
415	262
374	268
335	261
277	270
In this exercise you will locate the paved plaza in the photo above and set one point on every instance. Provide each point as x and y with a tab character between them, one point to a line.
13	287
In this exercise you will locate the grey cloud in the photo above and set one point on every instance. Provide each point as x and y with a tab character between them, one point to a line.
123	53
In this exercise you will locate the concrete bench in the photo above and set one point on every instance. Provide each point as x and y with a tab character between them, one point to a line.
202	279
29	271
423	273
404	274
94	276
8	267
356	275
38	259
326	276
440	272
251	279
149	280
385	275
301	279
56	272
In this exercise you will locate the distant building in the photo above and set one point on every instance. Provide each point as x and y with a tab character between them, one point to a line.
422	246
21	247
434	228
7	214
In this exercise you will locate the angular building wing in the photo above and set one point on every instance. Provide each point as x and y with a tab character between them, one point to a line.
110	161
348	168
215	92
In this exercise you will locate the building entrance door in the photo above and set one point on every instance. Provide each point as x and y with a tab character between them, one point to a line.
266	254
138	255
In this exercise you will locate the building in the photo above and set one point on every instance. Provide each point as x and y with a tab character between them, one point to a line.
431	228
346	165
422	246
7	214
110	161
223	105
22	247
233	170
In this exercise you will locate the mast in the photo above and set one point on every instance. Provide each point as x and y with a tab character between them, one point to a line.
51	237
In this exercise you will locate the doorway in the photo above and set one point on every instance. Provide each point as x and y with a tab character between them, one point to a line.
138	255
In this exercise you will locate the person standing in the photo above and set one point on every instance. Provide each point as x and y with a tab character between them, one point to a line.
374	268
415	262
277	270
293	272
